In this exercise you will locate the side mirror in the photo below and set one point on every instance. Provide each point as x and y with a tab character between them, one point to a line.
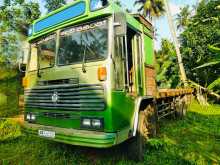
120	24
21	63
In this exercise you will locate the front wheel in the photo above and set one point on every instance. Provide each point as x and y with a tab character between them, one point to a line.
146	128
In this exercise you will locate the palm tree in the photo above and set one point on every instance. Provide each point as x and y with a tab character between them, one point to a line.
151	8
176	43
118	2
183	18
156	8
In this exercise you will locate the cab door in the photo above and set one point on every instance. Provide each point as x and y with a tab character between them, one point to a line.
138	62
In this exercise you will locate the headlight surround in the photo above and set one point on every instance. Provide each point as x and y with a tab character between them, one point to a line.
92	123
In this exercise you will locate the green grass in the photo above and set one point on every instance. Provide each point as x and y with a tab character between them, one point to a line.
9	92
194	140
3	99
9	130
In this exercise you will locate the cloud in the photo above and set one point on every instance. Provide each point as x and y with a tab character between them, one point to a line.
68	1
175	9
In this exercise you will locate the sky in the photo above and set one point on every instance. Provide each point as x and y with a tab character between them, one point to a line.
161	24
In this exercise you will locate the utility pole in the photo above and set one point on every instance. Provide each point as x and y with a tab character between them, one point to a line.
176	43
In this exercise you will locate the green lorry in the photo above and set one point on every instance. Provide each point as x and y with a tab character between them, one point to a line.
90	78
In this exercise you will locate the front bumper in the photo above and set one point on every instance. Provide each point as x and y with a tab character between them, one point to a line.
77	137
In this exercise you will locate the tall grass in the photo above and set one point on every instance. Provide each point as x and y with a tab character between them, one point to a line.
9	94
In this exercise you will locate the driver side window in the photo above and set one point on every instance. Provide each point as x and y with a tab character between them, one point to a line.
119	65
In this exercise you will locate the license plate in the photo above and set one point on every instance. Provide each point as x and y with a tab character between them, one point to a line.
48	134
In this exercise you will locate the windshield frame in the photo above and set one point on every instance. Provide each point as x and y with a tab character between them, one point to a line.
57	44
35	43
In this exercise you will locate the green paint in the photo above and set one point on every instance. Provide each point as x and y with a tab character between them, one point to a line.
122	110
149	51
119	111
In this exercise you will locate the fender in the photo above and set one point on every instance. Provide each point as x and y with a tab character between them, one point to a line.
138	102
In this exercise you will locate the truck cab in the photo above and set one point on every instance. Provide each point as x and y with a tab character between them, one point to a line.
90	66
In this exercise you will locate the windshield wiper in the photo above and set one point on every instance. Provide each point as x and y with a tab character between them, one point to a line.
84	60
38	62
84	54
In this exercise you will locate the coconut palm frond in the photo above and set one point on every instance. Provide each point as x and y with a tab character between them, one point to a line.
214	48
214	84
154	8
207	64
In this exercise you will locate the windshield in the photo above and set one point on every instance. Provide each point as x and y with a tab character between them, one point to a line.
46	51
87	42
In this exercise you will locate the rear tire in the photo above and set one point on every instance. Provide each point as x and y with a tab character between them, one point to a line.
181	109
185	108
146	128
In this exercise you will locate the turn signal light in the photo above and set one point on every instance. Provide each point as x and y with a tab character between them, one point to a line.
24	82
102	73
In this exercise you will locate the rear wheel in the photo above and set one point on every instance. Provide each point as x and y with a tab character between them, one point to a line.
185	107
146	129
181	109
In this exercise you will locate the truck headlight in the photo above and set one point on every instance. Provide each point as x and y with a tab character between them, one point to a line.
33	117
30	117
86	122
96	123
92	123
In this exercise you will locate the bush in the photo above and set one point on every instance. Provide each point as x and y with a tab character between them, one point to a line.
9	94
9	130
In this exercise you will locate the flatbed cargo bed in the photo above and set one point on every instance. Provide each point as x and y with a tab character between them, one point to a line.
163	93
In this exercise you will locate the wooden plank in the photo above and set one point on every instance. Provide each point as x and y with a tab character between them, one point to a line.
150	83
162	93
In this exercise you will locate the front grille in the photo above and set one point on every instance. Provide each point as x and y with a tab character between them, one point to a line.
59	82
59	115
75	97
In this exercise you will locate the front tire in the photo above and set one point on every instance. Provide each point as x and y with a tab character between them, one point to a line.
146	129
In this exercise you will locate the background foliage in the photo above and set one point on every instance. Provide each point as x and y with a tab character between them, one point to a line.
200	47
15	18
54	4
166	66
202	31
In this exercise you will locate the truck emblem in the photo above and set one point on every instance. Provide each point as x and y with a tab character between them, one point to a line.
54	97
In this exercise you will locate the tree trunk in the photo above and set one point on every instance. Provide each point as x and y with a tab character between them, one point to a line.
176	43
